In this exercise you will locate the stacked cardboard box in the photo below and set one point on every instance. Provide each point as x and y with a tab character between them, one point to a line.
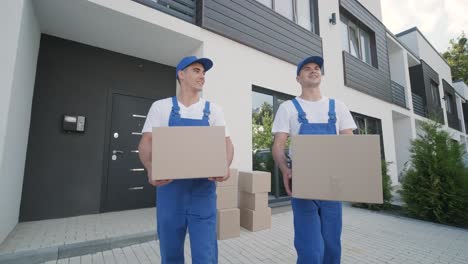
226	203
254	186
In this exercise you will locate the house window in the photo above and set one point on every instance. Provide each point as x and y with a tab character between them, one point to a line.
301	12
358	41
435	93
265	103
285	8
448	102
267	3
367	125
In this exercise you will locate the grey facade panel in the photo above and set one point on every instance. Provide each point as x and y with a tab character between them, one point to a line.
365	78
257	26
183	9
358	74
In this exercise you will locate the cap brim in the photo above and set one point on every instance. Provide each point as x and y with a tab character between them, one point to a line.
207	63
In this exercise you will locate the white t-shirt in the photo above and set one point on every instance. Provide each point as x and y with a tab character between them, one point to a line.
158	115
316	112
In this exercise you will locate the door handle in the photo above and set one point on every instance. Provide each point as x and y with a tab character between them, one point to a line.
117	152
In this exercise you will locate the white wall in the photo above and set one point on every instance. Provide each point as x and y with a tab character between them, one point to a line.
411	41
229	84
374	6
397	69
17	76
403	134
461	88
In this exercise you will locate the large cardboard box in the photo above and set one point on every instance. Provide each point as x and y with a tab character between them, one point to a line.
226	197
255	182
255	220
228	223
253	201
188	152
231	181
337	168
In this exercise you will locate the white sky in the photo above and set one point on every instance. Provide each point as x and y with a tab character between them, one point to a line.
438	20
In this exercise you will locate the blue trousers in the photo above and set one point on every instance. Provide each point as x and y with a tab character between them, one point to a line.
317	231
190	204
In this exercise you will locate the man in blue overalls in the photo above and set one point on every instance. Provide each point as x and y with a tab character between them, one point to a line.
317	224
189	203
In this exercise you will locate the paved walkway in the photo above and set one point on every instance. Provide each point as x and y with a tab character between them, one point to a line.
65	231
368	237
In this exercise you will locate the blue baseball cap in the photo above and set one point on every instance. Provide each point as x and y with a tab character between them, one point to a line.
187	61
312	59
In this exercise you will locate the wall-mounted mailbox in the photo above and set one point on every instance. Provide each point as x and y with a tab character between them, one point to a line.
74	123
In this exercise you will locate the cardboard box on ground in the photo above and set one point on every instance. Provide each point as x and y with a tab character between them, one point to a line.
255	215
228	215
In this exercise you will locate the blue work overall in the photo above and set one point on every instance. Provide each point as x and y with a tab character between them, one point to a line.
187	203
317	224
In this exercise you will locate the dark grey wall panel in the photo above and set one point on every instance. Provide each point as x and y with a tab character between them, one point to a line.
358	74
434	108
64	172
252	24
417	81
183	9
421	76
365	78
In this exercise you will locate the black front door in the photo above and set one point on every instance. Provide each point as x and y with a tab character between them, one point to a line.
127	184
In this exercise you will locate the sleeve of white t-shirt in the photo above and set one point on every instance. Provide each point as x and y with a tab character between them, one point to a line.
281	122
152	119
346	119
217	118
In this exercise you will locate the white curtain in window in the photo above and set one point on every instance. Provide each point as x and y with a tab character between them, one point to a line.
365	47
285	8
304	17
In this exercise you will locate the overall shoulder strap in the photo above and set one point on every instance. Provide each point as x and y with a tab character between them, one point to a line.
301	115
331	111
206	110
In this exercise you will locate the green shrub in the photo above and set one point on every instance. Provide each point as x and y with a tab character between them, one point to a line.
435	187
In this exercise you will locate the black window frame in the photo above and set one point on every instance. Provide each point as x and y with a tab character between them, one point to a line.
379	131
276	173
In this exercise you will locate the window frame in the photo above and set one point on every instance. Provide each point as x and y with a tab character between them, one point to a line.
449	103
313	10
350	22
435	93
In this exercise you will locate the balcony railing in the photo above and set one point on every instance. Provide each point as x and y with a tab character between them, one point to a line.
398	94
183	9
419	106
